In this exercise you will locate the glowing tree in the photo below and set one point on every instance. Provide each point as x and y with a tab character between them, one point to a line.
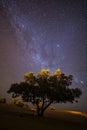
45	88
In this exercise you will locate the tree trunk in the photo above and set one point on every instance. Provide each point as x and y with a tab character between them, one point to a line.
40	111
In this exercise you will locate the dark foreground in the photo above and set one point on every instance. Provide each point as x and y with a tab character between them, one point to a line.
12	118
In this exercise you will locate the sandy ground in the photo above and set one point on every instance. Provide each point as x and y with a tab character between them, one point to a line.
14	118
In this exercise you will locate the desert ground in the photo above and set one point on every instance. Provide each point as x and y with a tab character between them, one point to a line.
15	118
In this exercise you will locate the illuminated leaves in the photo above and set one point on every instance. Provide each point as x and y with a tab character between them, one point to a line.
30	77
58	72
45	73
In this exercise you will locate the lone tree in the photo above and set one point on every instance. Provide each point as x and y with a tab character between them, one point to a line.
45	88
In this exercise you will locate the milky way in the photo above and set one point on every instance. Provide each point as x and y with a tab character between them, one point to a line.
47	34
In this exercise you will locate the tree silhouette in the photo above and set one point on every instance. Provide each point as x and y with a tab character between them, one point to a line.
45	88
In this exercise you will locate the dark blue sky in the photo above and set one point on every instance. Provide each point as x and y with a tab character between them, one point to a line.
44	34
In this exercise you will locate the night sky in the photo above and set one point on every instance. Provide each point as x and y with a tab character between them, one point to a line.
44	34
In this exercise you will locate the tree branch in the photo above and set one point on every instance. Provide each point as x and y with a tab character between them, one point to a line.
47	105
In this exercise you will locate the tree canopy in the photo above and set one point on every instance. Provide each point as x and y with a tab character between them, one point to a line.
45	88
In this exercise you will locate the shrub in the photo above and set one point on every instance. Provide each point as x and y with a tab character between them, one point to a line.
2	100
19	103
33	108
14	100
52	108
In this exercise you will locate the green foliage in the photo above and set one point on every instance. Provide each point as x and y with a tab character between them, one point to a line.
46	88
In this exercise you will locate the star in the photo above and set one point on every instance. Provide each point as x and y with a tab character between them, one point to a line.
58	45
